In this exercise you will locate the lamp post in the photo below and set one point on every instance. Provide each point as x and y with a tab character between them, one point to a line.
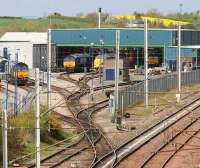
179	63
85	68
92	87
102	53
181	8
4	113
16	83
99	18
49	76
146	89
37	116
116	93
49	70
43	69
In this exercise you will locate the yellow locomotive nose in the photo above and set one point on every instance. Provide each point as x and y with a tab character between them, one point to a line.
69	64
22	74
97	63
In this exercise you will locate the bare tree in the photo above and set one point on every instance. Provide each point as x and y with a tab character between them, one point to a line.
94	16
154	13
79	14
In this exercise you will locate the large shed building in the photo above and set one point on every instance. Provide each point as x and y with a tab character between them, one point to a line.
162	45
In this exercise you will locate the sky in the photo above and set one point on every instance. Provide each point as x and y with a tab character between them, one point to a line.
38	8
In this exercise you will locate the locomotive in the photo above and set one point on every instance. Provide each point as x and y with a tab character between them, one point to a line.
77	62
98	63
19	72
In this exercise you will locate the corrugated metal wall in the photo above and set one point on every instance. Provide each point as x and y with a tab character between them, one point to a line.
129	37
40	56
188	37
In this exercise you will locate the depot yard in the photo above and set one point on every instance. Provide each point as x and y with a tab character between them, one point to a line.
99	97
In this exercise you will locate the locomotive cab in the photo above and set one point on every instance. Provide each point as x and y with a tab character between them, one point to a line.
69	63
20	73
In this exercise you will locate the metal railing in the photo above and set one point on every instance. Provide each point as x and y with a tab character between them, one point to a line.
132	95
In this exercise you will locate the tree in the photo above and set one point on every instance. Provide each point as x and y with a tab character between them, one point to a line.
94	16
79	14
154	13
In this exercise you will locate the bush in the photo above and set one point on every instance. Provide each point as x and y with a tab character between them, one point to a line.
57	131
22	136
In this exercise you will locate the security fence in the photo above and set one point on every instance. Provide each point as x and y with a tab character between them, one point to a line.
134	94
24	102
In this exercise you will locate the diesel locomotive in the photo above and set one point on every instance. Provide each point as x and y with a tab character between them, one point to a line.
77	62
20	72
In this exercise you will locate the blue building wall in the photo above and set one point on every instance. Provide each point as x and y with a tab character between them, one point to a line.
129	37
161	38
172	52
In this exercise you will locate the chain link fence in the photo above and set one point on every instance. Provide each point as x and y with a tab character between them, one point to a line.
134	94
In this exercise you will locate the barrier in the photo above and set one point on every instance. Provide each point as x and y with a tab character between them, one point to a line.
134	94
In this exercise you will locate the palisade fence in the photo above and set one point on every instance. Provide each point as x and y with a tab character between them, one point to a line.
25	102
131	95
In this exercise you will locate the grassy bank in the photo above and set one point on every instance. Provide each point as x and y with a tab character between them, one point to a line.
42	24
21	134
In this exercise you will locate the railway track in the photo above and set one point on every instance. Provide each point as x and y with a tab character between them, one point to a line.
89	77
93	133
66	151
180	119
82	119
173	149
94	137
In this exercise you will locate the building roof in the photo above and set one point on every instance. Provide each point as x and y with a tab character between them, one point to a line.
192	46
34	37
187	46
126	28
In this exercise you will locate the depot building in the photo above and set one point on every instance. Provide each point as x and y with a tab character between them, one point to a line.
162	44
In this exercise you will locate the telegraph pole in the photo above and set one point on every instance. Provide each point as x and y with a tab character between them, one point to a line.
117	71
146	89
37	116
179	61
5	122
49	75
102	54
99	18
92	88
49	70
16	83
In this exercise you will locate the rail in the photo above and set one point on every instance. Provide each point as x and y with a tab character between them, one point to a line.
128	148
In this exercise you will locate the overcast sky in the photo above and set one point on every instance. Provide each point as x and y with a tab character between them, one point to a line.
35	8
